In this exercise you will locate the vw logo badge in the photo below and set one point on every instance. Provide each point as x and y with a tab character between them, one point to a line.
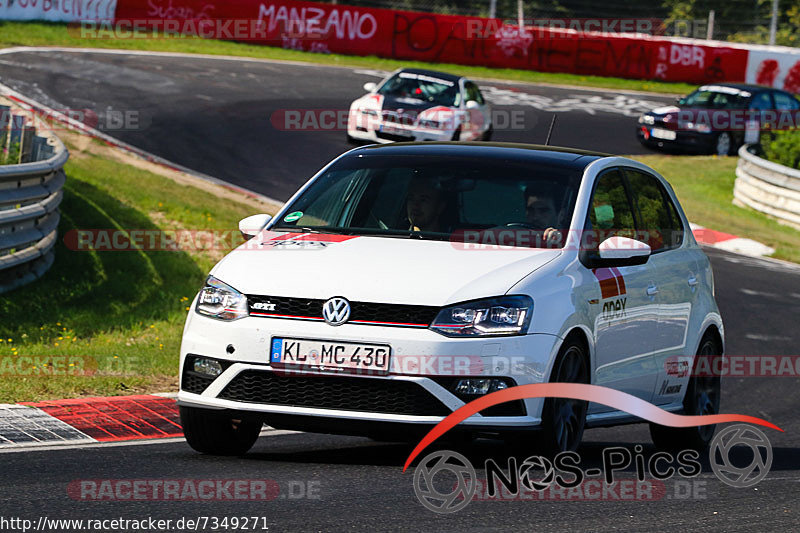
336	311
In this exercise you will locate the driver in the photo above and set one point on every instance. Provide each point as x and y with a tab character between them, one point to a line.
425	204
541	215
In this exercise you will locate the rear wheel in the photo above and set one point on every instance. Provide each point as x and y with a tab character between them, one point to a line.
487	135
457	134
702	398
564	419
215	433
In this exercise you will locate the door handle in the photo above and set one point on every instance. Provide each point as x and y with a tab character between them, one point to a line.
652	290
692	281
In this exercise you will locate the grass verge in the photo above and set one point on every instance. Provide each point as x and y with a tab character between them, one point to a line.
704	185
117	316
54	34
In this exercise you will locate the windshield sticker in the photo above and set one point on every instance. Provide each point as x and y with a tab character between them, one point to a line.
293	217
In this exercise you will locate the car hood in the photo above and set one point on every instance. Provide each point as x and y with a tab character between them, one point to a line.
375	269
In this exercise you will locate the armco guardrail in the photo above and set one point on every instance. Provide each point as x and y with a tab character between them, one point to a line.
767	187
30	193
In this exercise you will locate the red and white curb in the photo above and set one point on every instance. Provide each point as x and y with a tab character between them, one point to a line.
89	420
731	243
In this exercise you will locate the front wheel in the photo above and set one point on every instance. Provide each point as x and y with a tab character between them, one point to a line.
702	398
724	144
215	433
564	419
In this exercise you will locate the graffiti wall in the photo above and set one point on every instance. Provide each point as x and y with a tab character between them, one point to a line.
57	10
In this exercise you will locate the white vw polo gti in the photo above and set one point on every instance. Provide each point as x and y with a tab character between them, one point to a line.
403	281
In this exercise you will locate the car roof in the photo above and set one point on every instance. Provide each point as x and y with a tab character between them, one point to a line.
752	87
549	155
433	73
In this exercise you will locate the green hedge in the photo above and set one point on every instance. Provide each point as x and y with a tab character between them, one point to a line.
783	147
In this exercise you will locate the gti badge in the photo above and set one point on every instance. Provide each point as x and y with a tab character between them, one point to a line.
336	311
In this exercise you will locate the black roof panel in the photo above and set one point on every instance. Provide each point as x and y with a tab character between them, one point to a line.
550	155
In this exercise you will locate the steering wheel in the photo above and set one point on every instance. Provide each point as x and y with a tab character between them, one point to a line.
520	225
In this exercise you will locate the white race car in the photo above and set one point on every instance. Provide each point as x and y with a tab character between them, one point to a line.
420	105
403	281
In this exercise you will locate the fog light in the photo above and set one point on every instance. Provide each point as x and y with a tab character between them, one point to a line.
207	367
479	386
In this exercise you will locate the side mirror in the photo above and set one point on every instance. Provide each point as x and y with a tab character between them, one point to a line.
252	225
370	86
622	251
680	101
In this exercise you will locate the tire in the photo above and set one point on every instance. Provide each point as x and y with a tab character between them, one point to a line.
457	134
352	140
724	144
563	419
208	431
487	135
702	398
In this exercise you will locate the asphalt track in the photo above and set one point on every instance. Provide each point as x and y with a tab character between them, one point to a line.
221	117
214	116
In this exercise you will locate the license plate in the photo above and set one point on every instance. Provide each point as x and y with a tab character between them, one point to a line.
393	131
659	133
330	356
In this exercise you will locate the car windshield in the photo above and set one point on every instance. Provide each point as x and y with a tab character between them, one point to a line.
421	88
435	198
717	98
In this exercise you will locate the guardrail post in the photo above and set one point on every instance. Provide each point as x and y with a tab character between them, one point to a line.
30	194
26	143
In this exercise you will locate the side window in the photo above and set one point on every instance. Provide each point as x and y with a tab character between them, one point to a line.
659	224
784	102
610	212
473	93
761	102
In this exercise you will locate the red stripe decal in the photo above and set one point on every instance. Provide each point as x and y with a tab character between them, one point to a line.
608	282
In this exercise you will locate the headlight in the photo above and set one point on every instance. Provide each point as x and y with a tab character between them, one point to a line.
221	301
647	119
430	124
505	315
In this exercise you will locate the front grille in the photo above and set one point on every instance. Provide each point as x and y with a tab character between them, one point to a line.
360	312
393	137
407	119
334	392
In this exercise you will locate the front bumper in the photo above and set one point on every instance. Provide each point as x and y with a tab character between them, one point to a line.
689	141
419	393
397	133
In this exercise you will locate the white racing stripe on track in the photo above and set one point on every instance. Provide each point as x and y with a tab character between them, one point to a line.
51	446
28	426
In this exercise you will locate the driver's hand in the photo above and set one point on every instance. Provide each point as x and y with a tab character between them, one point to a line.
552	237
